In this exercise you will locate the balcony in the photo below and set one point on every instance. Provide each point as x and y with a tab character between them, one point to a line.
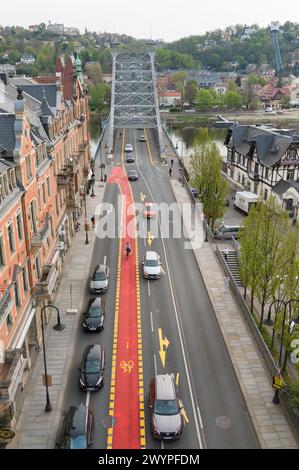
73	201
6	303
62	179
39	238
72	164
11	372
45	286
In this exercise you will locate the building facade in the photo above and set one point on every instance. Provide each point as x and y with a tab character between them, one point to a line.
44	163
266	162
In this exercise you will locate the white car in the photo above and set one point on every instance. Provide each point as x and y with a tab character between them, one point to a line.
99	281
128	148
269	110
151	266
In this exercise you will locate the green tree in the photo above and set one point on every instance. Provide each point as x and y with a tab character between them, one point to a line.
14	56
206	166
97	97
178	79
94	72
191	89
204	99
233	99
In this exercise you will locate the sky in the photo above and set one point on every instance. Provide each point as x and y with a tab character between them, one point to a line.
158	19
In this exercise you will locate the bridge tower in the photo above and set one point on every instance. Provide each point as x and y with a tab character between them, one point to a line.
275	39
134	97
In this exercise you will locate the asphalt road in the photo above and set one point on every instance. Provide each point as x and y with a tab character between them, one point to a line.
178	304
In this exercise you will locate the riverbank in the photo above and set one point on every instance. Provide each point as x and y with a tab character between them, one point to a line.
284	118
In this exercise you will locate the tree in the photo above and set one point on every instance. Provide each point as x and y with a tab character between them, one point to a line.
233	99
94	72
14	56
97	97
206	166
178	79
191	89
204	99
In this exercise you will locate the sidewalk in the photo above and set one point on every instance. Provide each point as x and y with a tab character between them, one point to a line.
271	425
37	429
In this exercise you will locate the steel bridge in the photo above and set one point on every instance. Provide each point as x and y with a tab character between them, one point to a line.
134	97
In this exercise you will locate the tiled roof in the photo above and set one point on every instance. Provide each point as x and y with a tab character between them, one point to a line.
5	165
37	92
282	186
7	135
170	93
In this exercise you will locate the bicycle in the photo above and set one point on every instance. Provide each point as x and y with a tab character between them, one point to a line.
77	226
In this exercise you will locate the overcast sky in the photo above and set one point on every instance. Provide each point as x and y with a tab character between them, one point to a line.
165	19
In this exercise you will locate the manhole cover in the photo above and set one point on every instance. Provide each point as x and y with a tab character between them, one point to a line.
223	422
108	422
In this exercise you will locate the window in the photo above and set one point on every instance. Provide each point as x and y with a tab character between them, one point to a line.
24	277
290	175
48	186
32	216
266	194
37	267
9	321
57	205
20	228
2	256
44	192
17	294
266	173
28	167
38	198
11	238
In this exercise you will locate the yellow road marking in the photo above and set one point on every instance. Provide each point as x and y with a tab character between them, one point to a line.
163	342
183	412
148	148
177	379
150	238
142	197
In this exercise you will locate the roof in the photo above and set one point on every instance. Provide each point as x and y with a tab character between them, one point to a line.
269	146
164	387
7	134
151	255
283	185
171	93
5	165
37	91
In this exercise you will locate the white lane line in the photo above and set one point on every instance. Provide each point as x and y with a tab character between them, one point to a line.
148	288
105	259
199	415
87	398
152	322
162	444
155	364
198	432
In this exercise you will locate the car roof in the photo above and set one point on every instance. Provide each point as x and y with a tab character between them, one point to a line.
92	351
165	387
132	171
95	301
100	268
77	419
151	255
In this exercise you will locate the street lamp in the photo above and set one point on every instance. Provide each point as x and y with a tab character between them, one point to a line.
85	208
92	185
58	327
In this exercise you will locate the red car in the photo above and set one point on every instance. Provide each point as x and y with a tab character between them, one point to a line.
149	210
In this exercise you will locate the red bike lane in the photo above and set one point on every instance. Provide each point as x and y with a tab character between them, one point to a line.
126	379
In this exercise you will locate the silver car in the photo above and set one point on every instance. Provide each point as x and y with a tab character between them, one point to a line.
151	266
165	406
99	282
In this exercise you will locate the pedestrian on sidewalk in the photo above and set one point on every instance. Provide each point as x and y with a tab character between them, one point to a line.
226	283
225	253
105	178
171	163
93	221
170	172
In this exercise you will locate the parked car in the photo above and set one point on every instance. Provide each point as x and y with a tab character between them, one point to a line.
94	316
151	266
99	282
269	109
149	210
130	159
128	148
132	175
142	138
165	407
77	429
227	231
92	368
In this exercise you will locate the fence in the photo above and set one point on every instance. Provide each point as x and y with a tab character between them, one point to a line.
263	348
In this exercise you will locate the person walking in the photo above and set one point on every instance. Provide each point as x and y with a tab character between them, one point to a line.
171	163
225	254
93	221
170	172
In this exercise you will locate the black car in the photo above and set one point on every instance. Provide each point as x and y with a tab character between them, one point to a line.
94	316
130	159
92	368
132	175
78	428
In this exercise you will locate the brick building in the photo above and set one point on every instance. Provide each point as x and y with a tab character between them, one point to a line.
44	162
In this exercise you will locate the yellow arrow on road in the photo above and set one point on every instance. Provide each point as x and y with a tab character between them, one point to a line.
163	343
150	238
183	412
142	197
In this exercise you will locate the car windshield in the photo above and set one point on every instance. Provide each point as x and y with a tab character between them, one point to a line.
95	312
92	367
78	442
166	407
151	263
99	276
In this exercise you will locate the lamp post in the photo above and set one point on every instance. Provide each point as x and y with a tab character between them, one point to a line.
92	184
85	209
58	327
